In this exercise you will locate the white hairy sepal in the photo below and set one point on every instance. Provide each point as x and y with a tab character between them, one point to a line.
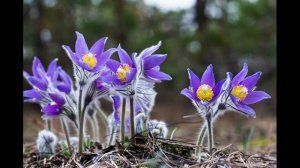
140	123
155	125
46	142
74	141
145	95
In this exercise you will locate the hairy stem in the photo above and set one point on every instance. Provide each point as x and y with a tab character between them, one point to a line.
111	136
66	134
132	129
49	124
123	121
81	120
200	138
210	133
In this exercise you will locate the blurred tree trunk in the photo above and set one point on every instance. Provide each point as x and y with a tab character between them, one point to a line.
39	47
120	32
200	17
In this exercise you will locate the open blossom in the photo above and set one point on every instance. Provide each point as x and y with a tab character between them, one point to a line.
150	64
92	59
123	72
203	91
242	91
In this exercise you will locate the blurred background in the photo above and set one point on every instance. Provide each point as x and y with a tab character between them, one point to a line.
194	34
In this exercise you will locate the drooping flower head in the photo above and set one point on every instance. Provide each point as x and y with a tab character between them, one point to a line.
123	72
54	106
203	91
242	91
150	64
51	89
91	59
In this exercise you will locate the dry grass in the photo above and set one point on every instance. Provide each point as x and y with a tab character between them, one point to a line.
151	152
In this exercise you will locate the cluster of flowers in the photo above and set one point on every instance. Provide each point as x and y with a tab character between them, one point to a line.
231	94
129	84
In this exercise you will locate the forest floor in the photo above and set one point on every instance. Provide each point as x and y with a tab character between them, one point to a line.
229	133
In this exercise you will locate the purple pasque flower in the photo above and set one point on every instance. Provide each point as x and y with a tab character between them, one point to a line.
91	59
242	91
32	95
150	64
203	91
123	72
54	78
41	78
52	89
54	107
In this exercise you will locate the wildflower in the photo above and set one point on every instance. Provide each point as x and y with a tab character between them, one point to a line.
91	59
123	72
203	92
51	89
41	79
150	64
54	107
243	93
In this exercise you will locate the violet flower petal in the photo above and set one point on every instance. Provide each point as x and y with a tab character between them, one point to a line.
124	57
189	94
246	110
131	75
194	80
71	54
104	57
52	68
251	81
33	94
154	60
240	76
154	74
256	96
208	77
38	83
51	110
113	65
81	47
57	98
149	51
98	47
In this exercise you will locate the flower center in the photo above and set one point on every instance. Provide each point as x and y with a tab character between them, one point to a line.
240	92
122	71
53	103
205	93
90	60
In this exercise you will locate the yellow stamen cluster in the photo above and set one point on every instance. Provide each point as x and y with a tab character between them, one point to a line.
90	60
205	93
240	92
122	72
